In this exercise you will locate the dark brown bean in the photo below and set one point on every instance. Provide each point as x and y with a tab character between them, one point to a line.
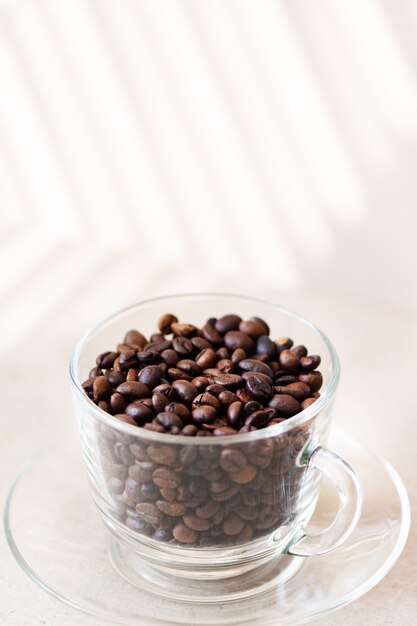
252	365
200	382
226	366
208	509
206	398
106	360
118	403
166	390
238	355
229	381
310	363
289	361
174	373
200	343
166	478
126	418
204	414
183	346
300	391
313	379
170	357
183	534
183	330
180	409
283	343
206	358
243	395
189	367
134	389
285	404
150	375
232	524
147	357
140	412
101	388
232	460
307	402
227	322
168	420
190	430
285	380
251	328
173	509
237	339
226	398
185	390
165	323
258	387
300	351
115	378
148	512
135	338
165	455
159	402
244	475
235	413
211	334
197	523
224	430
265	345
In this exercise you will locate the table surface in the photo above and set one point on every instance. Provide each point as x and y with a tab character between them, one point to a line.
375	403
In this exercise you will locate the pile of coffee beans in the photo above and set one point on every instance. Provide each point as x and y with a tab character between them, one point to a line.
225	378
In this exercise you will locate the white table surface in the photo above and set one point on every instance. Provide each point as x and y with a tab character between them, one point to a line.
376	402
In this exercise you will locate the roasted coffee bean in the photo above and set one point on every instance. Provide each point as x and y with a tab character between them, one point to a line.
225	366
162	534
185	390
165	455
243	395
147	357
155	427
284	343
206	358
260	419
200	382
159	402
289	361
204	414
95	371
285	380
183	534
310	363
165	323
251	407
215	389
126	418
197	523
183	330
232	524
252	365
190	430
140	412
166	478
180	409
165	389
168	420
150	375
174	373
211	334
149	491
244	475
157	346
222	353
173	509
307	402
300	351
104	406
200	343
285	405
226	398
208	509
147	512
206	398
238	355
106	359
115	378
299	391
235	414
224	430
258	387
238	339
189	367
156	338
313	379
229	381
182	346
226	494
265	345
251	328
170	357
135	338
127	359
134	389
101	388
232	460
227	322
131	375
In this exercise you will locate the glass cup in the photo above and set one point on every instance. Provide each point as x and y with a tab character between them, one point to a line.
231	511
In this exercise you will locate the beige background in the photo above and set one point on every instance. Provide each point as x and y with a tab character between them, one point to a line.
266	148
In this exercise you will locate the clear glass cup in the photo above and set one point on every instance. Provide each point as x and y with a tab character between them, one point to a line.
212	508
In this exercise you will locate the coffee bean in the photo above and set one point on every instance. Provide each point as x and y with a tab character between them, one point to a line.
140	412
159	402
115	378
208	509
183	534
105	406
222	353
150	375
204	414
261	418
229	381
183	346
190	430
206	398
300	351
244	475
284	343
238	355
106	360
307	402
183	330
94	372
131	375
226	398
134	389
258	387
289	361
238	339
211	334
179	409
197	523
232	460
251	328
243	395
252	365
232	524
313	379
166	478
225	366
227	322
135	338
147	357
200	382
154	427
310	363
125	418
165	323
148	512
206	358
168	420
251	407
285	380
166	390
101	388
170	357
285	404
200	343
173	509
189	367
265	345
162	534
214	389
185	390
174	373
224	430
165	455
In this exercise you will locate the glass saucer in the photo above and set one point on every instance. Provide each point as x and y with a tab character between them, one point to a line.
57	538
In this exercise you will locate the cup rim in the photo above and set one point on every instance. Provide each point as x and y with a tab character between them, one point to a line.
270	431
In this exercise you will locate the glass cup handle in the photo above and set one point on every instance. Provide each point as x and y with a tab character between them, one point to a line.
349	491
